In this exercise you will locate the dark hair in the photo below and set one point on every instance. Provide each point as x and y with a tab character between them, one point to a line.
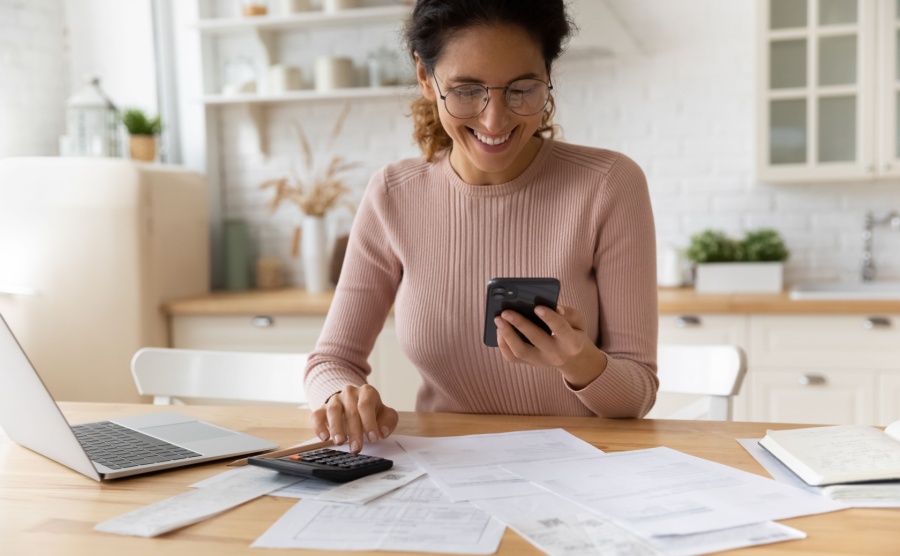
433	22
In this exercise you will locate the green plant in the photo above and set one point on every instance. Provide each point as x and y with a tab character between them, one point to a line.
712	246
763	245
138	123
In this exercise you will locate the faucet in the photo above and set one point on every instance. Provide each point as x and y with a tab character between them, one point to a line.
870	223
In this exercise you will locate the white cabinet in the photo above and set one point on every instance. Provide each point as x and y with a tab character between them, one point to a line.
824	369
393	374
805	369
827	90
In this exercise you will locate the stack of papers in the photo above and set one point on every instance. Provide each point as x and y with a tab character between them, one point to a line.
560	493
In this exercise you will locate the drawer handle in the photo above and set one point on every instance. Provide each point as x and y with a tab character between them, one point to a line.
871	323
811	380
263	321
687	321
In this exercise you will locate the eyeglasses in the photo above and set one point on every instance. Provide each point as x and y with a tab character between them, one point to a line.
525	97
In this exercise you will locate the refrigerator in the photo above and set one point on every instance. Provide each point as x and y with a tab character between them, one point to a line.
90	250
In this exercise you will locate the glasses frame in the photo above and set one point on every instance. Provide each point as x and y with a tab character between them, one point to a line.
488	90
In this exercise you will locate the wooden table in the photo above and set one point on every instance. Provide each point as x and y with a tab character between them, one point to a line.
46	508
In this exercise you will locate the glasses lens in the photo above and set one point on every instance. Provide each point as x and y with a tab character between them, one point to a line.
466	101
527	96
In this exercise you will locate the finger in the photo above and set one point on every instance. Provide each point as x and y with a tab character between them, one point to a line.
516	344
540	340
574	317
334	410
504	348
559	325
352	420
388	418
320	423
369	405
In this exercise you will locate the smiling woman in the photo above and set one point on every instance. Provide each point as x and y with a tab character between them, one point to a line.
494	195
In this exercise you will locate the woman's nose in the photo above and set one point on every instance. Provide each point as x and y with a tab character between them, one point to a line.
496	113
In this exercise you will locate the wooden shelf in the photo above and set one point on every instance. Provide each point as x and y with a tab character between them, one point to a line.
303	19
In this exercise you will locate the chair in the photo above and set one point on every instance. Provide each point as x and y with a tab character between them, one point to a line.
715	372
171	374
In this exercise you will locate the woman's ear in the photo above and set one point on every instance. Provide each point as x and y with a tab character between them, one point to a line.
424	79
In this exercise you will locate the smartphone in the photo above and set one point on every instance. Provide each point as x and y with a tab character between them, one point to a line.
521	295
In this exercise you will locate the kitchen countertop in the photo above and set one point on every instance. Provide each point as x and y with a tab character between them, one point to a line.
672	301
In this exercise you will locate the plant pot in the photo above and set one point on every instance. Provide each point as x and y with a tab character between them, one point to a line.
739	277
142	147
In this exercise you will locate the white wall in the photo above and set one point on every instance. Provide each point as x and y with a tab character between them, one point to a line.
114	40
33	84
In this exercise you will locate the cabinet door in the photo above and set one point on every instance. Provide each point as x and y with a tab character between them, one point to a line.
700	329
830	342
815	90
889	88
824	397
272	333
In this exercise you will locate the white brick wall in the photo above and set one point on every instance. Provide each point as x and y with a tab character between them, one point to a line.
684	111
33	84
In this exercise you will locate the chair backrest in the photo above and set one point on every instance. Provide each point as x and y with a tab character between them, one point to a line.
713	371
168	374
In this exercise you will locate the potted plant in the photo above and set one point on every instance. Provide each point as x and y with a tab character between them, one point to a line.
142	132
754	264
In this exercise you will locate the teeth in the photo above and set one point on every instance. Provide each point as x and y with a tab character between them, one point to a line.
491	141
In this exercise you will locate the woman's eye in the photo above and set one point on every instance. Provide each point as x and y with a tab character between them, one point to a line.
468	93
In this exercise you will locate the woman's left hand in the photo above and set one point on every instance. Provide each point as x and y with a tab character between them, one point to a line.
568	349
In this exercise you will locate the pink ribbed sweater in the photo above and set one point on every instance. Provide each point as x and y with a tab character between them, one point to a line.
427	243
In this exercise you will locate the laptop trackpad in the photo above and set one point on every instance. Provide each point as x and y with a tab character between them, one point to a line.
184	433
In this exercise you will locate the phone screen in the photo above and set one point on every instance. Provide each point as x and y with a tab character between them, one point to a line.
521	295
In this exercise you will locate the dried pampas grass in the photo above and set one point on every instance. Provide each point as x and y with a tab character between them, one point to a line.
316	192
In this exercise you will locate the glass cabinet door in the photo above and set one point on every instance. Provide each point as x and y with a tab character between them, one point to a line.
890	87
814	109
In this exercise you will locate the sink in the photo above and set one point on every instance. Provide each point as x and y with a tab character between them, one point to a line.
846	290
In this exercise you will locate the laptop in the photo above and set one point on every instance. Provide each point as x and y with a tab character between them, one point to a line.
120	447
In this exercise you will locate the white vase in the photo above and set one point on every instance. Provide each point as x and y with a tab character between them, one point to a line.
314	254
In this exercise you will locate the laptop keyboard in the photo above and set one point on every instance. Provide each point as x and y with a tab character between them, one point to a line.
118	447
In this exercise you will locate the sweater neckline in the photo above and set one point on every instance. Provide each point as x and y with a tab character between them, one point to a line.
500	189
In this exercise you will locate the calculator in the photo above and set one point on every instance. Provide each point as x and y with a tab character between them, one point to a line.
325	463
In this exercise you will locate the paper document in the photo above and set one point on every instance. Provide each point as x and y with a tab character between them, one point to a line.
196	505
414	518
468	467
660	491
862	495
358	491
562	528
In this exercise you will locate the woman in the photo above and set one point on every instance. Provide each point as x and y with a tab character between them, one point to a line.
493	196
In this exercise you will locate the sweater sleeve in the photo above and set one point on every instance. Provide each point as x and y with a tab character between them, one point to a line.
365	292
625	266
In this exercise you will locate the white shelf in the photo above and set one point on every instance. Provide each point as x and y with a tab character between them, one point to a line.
299	20
312	95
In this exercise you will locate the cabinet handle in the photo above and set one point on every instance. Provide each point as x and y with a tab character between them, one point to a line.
687	321
871	323
811	380
263	321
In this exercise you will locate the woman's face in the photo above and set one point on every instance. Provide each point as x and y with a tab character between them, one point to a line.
498	144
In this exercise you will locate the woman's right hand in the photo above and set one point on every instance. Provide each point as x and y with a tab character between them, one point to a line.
355	414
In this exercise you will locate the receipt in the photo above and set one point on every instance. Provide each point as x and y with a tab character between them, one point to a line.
196	505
